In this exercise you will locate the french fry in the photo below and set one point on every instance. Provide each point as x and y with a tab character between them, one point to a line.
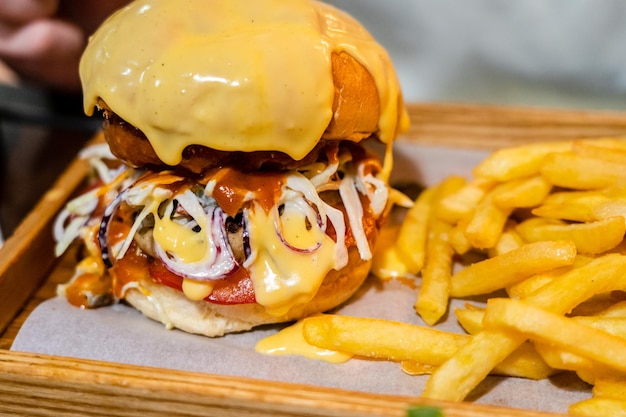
524	192
457	238
600	275
589	238
462	203
470	319
559	358
595	305
609	399
511	267
434	292
524	362
411	243
589	377
382	339
422	348
608	149
570	170
599	407
610	388
518	162
470	365
610	208
527	287
475	359
509	239
612	325
544	326
575	206
486	223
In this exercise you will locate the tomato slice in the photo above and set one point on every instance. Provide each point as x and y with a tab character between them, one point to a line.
234	289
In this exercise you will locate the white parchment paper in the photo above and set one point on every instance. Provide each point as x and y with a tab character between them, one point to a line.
121	334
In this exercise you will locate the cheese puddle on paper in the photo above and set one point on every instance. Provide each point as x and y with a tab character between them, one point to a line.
290	341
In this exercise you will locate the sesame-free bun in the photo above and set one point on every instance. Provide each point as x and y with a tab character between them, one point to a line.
224	76
173	309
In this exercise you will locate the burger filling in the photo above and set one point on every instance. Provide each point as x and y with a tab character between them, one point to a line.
226	236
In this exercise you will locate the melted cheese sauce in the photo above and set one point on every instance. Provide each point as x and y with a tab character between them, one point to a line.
188	245
283	278
221	67
197	290
290	341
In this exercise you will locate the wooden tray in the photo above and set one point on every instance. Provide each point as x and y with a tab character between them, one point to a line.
57	386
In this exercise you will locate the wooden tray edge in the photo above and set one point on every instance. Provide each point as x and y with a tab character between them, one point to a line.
151	391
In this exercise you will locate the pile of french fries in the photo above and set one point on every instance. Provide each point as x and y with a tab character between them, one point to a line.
538	230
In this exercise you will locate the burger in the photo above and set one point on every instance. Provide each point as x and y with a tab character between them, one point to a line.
236	187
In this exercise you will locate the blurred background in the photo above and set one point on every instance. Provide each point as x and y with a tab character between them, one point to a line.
555	53
547	53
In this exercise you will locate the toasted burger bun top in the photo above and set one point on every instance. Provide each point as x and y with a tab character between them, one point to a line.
236	75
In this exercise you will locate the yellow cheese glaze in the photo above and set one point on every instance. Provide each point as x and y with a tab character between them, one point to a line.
230	74
188	245
283	278
197	290
290	341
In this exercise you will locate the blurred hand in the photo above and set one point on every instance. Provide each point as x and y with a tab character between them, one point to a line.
42	40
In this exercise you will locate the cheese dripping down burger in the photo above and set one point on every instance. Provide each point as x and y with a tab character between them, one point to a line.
245	195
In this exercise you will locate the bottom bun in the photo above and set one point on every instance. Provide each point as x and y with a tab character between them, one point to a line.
172	308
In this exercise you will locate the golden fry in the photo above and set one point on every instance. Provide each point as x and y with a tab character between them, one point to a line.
470	319
420	349
599	407
524	192
610	208
559	358
527	287
382	339
509	240
610	388
434	292
590	238
511	267
411	243
470	365
524	362
457	238
487	223
518	162
578	172
609	149
475	359
575	206
612	325
609	399
462	203
541	325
